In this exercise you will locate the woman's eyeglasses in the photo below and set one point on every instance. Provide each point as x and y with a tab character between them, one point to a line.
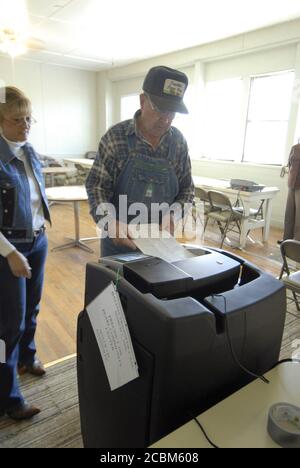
19	121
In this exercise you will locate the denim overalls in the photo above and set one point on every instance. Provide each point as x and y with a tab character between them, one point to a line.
146	180
19	297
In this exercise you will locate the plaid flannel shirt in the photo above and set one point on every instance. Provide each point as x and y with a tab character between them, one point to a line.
114	153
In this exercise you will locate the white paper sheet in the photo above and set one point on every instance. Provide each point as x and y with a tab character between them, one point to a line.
110	327
160	244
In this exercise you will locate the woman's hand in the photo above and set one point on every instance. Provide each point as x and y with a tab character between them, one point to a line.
19	265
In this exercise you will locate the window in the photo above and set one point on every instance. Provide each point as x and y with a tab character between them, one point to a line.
297	133
222	132
267	120
186	123
129	105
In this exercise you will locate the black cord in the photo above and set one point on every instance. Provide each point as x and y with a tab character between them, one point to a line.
261	377
205	435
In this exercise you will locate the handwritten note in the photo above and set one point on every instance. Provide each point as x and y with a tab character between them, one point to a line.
111	330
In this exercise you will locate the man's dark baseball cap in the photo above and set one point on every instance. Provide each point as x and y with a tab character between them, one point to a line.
166	87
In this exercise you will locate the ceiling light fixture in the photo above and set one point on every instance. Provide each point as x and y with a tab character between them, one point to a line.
11	44
13	27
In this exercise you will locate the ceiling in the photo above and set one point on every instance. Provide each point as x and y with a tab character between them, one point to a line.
100	34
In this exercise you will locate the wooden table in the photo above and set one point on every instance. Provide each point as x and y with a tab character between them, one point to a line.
240	421
248	199
73	194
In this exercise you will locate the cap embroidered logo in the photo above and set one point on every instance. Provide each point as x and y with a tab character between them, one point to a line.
174	88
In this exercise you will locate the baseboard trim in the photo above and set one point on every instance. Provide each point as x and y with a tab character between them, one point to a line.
49	364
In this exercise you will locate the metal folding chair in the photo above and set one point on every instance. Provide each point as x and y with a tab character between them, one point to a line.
202	195
290	250
223	213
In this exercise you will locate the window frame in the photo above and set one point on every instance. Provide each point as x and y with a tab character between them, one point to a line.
127	96
251	80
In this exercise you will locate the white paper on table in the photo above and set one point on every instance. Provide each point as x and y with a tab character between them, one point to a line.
157	243
111	330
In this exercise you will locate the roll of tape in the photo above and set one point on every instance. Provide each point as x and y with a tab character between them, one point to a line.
284	425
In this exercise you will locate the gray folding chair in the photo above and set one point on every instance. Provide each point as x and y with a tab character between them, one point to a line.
202	195
223	213
290	250
255	213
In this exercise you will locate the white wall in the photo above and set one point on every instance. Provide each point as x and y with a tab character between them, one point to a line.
64	105
265	51
259	62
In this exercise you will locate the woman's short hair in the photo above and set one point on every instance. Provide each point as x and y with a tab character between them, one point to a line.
14	101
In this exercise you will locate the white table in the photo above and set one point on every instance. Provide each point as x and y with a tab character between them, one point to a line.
73	194
240	421
84	162
248	199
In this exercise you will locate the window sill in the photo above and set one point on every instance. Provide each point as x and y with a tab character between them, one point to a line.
235	163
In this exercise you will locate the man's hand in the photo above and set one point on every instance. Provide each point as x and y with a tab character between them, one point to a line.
19	265
168	224
118	233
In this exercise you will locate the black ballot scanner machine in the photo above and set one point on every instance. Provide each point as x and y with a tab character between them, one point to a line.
196	325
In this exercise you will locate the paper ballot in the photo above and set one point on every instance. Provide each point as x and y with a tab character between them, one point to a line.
110	327
160	244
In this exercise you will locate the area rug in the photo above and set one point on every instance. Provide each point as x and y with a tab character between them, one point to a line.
58	424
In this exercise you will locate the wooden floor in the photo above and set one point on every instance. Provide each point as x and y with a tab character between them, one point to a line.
65	278
64	284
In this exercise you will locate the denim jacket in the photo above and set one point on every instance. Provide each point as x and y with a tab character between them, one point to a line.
15	201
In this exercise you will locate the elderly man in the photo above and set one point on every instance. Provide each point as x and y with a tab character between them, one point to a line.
144	159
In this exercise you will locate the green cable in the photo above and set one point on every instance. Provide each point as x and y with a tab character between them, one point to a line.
118	277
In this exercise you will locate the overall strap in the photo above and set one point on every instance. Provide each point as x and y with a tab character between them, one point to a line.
172	151
131	143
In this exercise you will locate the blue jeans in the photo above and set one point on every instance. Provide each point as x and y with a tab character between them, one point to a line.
19	307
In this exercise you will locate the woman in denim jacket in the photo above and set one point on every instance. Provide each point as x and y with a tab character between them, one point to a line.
23	250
